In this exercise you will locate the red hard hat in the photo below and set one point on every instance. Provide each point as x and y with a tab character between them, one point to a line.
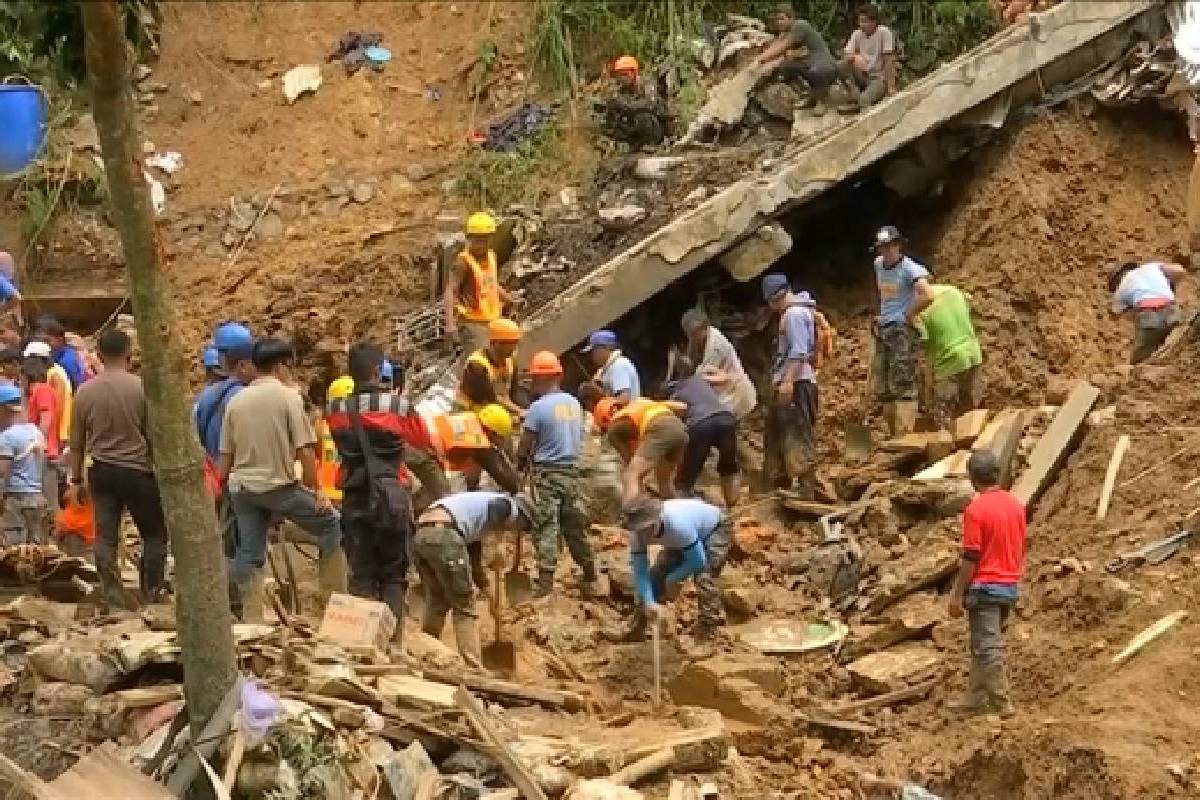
604	412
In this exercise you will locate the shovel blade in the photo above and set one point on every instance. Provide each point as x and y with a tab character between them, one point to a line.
500	655
858	441
518	587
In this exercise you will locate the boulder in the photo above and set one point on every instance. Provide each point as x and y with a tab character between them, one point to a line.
893	669
741	686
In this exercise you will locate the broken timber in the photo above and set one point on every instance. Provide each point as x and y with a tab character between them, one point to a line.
1110	477
1022	58
1054	446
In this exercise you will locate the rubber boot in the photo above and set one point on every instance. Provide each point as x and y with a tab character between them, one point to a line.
545	583
731	490
251	592
996	685
466	636
331	574
975	701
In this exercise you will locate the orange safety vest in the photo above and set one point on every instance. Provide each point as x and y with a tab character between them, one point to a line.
329	463
453	433
484	306
501	377
642	412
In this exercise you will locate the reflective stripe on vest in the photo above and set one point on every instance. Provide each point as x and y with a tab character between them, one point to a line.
642	412
501	379
329	468
485	304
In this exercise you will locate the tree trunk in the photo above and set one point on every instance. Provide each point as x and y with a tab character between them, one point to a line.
202	602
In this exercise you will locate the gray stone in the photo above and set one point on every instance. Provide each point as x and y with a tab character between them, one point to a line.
400	185
270	227
417	172
333	205
778	100
363	192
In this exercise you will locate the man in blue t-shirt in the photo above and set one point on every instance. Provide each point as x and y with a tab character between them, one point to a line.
1147	293
10	296
64	355
551	441
904	292
23	509
615	373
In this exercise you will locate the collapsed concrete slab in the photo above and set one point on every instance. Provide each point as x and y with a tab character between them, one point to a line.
1055	46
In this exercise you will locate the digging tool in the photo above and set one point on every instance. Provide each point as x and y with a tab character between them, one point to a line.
517	584
501	654
858	435
656	639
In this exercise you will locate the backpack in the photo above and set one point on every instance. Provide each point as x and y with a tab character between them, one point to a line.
388	506
824	336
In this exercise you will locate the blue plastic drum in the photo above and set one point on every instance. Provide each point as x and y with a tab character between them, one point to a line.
22	125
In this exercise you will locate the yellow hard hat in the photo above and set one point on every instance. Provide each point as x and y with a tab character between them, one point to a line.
496	419
340	389
481	223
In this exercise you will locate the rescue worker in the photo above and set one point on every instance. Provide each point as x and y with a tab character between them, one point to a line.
790	438
474	295
649	436
709	425
695	537
329	459
444	531
366	426
954	354
57	379
1147	293
551	443
635	113
904	292
490	372
816	66
615	373
718	363
212	366
868	69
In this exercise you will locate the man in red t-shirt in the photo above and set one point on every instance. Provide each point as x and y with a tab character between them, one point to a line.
993	560
42	409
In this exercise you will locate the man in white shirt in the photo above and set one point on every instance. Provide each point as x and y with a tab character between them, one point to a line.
869	67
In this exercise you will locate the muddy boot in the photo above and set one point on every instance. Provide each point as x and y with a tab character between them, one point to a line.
634	632
975	701
996	686
251	593
466	636
731	490
545	584
331	574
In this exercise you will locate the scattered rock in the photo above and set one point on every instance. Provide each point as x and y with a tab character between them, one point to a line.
363	192
417	172
902	578
778	100
400	186
141	72
148	148
195	97
229	237
893	669
621	218
696	195
334	205
269	227
741	686
912	618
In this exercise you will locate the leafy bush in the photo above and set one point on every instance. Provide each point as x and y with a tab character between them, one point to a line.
497	180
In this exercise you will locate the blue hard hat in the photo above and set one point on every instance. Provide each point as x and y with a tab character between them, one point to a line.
232	335
773	284
601	339
10	395
386	371
211	358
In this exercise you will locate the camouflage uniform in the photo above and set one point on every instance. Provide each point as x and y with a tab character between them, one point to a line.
441	557
896	363
556	497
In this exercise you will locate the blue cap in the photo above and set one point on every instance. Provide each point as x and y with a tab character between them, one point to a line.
231	335
386	372
211	358
773	284
805	299
10	395
601	339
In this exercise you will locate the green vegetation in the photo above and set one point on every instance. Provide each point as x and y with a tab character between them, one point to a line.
497	180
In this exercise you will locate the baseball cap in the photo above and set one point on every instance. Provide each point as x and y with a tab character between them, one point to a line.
211	358
231	335
886	235
10	395
601	339
641	514
38	350
774	284
805	299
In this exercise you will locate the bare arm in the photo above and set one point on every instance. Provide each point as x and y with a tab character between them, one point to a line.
496	464
450	297
633	475
962	579
922	300
1174	272
307	456
775	50
889	72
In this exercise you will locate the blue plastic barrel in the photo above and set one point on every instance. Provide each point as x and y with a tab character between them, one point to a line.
22	125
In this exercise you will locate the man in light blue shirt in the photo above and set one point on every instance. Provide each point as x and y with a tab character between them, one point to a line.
615	373
904	292
551	441
695	538
1147	292
23	511
790	440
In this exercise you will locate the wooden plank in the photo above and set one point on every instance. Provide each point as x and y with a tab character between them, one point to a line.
888	699
497	746
507	690
933	445
1054	447
1148	635
102	773
1110	477
952	466
810	508
408	691
966	429
643	768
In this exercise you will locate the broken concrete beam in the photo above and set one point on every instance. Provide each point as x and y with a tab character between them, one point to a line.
934	445
1092	33
1056	444
410	692
811	508
890	670
749	259
966	429
1001	438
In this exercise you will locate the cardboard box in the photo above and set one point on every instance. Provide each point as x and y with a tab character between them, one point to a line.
355	622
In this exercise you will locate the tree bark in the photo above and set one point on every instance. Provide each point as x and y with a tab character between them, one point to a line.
202	602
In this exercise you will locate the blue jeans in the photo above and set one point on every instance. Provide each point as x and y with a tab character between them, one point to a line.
254	512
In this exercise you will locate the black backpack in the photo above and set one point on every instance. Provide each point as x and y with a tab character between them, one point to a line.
388	505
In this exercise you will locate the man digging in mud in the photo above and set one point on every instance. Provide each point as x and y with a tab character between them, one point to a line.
650	437
1147	293
993	561
954	354
815	66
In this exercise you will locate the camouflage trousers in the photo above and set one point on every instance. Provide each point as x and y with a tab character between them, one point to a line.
559	513
440	553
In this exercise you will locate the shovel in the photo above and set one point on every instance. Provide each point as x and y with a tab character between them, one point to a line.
517	584
501	654
858	435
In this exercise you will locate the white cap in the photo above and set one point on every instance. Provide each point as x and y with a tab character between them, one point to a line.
39	349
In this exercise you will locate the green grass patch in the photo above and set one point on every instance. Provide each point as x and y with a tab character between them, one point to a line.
494	180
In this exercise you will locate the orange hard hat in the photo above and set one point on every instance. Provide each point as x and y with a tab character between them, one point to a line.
604	412
504	330
545	363
625	64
